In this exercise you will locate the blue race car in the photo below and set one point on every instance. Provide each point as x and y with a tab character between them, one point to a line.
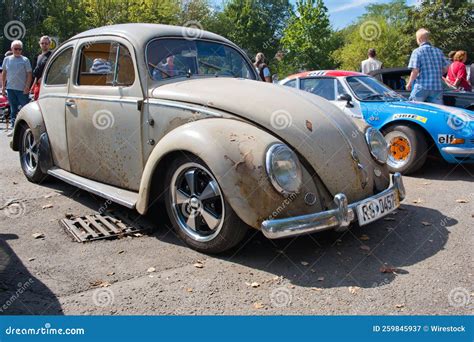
411	129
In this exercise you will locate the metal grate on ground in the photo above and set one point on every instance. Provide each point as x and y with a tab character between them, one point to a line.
104	226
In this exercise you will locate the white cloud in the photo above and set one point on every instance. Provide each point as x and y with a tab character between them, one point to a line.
349	5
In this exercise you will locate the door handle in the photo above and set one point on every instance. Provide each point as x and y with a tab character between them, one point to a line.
71	103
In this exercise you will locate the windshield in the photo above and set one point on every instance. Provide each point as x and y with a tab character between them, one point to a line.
369	89
169	58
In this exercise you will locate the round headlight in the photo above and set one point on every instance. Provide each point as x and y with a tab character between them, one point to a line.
284	169
377	145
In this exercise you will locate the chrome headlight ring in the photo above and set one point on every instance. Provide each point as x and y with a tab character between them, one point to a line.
377	145
284	169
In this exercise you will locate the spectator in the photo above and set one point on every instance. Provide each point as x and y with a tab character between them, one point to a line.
451	56
101	66
428	65
262	68
457	73
371	63
17	76
41	60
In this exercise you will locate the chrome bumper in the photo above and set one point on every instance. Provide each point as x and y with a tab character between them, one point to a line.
340	217
458	150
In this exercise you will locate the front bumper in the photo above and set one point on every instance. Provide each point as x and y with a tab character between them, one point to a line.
458	151
340	217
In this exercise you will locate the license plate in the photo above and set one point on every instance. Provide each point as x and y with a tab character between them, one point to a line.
374	209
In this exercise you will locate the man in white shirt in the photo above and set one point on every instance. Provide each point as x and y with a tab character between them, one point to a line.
371	63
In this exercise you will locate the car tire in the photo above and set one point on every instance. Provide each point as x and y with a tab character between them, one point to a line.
408	149
29	155
197	208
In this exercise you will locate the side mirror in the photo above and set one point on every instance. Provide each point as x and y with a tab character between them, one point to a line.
347	98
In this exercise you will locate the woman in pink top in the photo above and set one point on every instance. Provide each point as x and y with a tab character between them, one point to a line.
457	74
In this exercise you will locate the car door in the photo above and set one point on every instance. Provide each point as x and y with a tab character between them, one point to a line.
52	101
102	116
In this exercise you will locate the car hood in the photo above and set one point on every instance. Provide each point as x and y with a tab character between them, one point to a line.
312	126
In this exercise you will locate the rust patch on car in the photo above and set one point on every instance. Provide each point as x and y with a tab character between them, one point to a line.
309	125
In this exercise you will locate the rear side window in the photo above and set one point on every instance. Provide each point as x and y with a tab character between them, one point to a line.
291	84
323	87
60	69
105	64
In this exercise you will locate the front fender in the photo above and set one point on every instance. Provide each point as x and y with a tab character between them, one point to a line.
32	116
235	153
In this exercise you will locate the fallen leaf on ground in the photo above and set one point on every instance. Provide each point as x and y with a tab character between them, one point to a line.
365	248
419	200
189	289
291	286
110	274
120	252
258	305
38	235
99	283
320	278
399	306
48	196
426	183
198	265
388	269
364	238
462	200
151	269
138	234
68	216
15	183
255	284
425	223
353	289
317	289
47	206
304	263
31	259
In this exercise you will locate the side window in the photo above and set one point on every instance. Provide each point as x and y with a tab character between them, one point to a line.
105	64
291	84
323	87
340	88
60	69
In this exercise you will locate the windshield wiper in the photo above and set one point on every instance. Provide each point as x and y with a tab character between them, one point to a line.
372	96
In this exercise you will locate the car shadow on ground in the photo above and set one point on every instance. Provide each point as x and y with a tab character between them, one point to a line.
438	169
20	292
362	256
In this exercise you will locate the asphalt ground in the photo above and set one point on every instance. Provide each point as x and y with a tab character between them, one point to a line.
417	261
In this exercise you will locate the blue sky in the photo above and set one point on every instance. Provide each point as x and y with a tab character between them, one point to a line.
341	12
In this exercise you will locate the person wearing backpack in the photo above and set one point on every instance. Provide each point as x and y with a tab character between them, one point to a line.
262	68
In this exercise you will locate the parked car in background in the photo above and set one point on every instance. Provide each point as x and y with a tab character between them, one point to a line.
397	79
178	120
4	107
411	129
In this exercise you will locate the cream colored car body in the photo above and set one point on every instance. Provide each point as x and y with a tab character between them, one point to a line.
229	123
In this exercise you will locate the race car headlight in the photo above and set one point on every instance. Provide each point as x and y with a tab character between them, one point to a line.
377	145
284	169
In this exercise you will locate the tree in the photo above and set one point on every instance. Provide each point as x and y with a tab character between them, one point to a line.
451	23
383	27
255	25
308	39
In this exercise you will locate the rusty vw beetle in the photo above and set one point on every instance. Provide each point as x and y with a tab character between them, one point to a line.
146	114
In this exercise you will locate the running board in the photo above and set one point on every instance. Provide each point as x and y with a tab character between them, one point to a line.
123	197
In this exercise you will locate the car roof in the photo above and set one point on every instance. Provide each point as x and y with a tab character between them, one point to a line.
389	70
333	73
142	33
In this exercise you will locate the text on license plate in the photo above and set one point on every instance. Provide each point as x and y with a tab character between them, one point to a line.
372	210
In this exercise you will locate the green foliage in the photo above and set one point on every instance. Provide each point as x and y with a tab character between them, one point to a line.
308	39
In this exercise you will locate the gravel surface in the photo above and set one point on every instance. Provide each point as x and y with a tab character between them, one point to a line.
425	248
